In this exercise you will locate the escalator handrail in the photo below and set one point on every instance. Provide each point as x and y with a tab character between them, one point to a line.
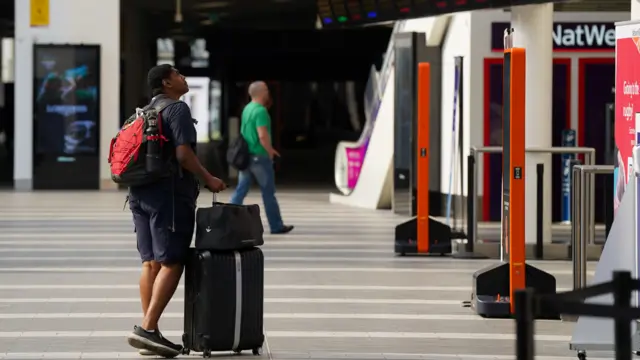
389	57
378	81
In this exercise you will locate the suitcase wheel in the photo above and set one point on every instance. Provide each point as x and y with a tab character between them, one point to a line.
206	354
257	351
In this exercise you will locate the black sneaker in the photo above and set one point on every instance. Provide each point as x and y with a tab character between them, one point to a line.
284	230
154	342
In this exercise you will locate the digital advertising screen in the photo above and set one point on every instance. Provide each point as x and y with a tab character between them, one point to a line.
66	100
404	103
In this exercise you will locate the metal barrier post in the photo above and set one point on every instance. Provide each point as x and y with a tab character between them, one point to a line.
539	210
525	324
576	224
608	206
583	225
472	225
622	289
584	221
477	151
472	217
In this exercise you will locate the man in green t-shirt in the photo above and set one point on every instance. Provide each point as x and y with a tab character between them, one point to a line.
255	127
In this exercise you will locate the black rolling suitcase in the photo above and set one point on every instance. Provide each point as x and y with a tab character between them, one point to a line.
224	300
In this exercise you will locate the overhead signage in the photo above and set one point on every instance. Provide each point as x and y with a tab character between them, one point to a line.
39	10
340	13
568	36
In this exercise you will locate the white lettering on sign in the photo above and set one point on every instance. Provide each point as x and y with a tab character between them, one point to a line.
627	111
584	35
631	89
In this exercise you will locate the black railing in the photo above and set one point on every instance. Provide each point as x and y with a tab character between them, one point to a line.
539	211
528	303
471	217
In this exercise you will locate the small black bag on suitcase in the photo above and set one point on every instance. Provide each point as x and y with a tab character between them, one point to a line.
228	227
224	301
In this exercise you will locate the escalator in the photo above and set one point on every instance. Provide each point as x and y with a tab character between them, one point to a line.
362	168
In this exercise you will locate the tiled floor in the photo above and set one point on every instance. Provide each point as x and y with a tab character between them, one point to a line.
334	289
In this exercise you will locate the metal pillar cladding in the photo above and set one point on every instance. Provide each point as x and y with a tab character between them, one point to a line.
589	159
583	226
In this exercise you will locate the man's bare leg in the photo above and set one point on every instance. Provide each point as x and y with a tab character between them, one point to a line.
148	275
164	287
147	337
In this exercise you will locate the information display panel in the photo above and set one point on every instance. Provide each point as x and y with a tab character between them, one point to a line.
404	124
66	116
336	13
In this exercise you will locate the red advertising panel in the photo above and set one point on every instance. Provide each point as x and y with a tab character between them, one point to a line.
627	101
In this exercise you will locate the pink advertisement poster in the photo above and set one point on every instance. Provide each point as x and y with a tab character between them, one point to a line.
355	158
627	101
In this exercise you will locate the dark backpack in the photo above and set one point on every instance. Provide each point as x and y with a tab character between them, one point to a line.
238	154
128	149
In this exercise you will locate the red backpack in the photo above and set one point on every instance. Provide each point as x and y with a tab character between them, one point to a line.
137	155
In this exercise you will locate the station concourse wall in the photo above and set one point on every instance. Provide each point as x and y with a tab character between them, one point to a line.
88	22
576	58
469	36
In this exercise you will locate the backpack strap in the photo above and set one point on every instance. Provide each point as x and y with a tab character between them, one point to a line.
160	102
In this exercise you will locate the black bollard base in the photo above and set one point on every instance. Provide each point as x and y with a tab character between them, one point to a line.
491	288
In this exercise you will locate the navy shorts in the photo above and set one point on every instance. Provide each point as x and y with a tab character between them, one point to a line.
164	228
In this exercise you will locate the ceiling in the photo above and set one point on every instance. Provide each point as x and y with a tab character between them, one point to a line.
198	15
234	13
594	5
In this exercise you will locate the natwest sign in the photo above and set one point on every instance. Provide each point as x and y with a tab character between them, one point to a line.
568	36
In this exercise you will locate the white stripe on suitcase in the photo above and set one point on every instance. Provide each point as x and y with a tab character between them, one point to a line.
238	323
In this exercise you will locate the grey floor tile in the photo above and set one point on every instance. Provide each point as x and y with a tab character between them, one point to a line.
101	229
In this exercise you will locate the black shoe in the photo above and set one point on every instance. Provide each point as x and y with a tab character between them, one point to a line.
154	342
284	230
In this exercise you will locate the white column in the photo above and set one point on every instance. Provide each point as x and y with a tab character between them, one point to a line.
635	9
94	22
533	26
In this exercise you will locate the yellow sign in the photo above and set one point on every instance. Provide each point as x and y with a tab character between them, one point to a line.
39	12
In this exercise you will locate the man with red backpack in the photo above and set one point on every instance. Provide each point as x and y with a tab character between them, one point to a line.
154	154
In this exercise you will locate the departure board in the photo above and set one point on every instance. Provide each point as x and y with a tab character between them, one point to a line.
339	13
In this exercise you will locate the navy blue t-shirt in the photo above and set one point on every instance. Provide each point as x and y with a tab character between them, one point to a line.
178	126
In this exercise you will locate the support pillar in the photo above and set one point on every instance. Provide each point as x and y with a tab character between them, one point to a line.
635	10
136	56
533	26
92	22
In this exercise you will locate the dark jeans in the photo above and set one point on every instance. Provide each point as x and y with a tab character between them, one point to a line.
164	228
261	169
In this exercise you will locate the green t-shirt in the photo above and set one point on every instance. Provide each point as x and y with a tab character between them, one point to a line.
253	116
